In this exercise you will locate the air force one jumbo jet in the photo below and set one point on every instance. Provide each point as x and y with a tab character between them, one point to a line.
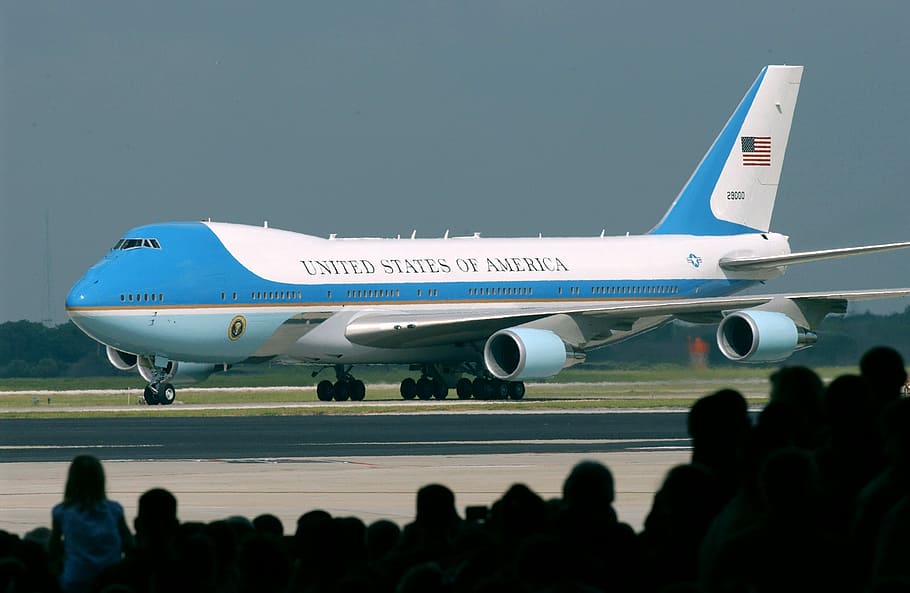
180	300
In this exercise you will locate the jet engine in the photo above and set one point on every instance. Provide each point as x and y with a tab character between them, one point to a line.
122	361
761	336
519	353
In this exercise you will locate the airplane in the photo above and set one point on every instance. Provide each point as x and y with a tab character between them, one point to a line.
180	300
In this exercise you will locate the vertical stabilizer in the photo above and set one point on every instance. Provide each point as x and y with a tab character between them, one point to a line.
733	189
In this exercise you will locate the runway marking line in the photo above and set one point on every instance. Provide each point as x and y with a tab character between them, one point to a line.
28	447
512	442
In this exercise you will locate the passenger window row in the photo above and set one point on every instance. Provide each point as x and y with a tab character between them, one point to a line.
502	291
142	298
638	290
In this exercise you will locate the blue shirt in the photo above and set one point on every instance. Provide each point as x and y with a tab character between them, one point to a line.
91	541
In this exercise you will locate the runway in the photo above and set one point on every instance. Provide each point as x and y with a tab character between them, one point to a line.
368	466
253	437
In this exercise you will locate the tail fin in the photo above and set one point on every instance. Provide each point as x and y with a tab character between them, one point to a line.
732	190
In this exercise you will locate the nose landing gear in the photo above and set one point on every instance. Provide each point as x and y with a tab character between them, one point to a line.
159	393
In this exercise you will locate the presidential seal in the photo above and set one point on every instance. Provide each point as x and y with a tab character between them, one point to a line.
236	328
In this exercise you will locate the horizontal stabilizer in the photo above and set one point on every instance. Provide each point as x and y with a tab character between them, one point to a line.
773	261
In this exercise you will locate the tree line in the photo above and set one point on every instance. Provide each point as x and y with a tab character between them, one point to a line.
30	349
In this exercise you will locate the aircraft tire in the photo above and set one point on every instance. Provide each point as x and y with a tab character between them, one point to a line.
479	388
408	388
440	389
463	388
342	390
516	390
325	391
500	390
425	388
150	395
358	390
166	394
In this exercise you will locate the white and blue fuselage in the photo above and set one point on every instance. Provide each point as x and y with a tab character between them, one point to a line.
179	285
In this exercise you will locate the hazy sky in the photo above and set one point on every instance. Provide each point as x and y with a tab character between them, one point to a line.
376	118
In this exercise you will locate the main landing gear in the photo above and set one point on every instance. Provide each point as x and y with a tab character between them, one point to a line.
489	389
433	384
345	387
424	388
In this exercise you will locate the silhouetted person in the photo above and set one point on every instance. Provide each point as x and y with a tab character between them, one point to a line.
226	535
156	526
88	531
156	520
888	489
589	488
196	567
783	423
683	509
600	551
268	523
263	564
519	514
892	548
431	536
423	578
24	565
719	425
883	369
790	548
852	454
349	562
381	538
801	390
311	552
381	546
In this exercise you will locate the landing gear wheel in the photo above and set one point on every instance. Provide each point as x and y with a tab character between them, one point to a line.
166	394
408	388
342	390
463	388
440	389
325	390
358	390
516	390
150	395
425	388
481	388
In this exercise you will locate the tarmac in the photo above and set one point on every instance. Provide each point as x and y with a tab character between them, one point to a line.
370	488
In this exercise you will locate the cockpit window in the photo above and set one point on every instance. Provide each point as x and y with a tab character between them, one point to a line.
124	244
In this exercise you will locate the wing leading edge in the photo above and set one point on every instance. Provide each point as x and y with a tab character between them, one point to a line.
433	328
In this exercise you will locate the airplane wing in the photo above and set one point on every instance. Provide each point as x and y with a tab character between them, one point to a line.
420	329
774	261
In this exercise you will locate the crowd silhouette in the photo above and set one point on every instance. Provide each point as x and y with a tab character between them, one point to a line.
814	495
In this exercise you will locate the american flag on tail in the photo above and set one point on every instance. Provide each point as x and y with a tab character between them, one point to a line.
756	151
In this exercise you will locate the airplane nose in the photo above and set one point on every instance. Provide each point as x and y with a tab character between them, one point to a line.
82	293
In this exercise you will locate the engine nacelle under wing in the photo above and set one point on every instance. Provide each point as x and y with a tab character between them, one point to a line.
122	361
761	336
520	353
